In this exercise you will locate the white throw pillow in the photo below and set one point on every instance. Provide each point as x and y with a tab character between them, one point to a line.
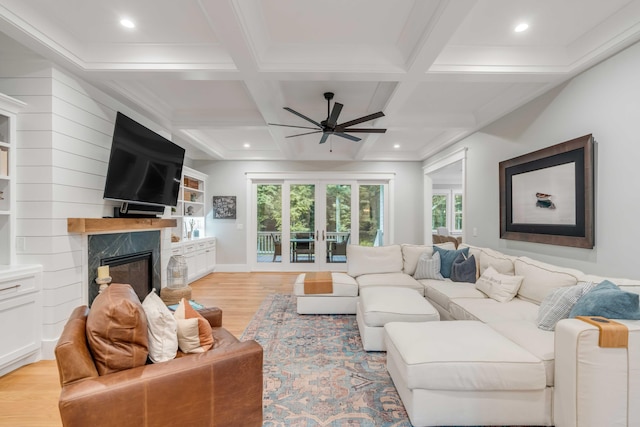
162	329
428	267
500	287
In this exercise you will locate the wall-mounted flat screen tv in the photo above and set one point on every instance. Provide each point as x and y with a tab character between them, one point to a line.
144	167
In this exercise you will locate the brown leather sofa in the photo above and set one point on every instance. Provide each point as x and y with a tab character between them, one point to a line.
221	387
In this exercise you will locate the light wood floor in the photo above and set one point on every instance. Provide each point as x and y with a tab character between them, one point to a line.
29	395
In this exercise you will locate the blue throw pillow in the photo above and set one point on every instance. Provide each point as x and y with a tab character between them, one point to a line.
607	300
447	257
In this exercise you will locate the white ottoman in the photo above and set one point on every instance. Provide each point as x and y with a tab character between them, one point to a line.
380	305
465	373
342	300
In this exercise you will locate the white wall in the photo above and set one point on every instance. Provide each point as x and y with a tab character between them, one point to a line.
227	178
64	140
603	101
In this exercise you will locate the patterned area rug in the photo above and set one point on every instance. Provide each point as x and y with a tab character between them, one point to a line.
316	372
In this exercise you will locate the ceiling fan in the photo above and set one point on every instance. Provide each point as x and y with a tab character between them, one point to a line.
330	125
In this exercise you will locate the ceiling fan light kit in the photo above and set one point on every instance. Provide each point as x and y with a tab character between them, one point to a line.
330	125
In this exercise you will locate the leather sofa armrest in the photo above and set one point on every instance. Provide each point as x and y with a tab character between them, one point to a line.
595	385
213	316
222	387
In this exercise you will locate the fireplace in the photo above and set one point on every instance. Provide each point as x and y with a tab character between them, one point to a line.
133	258
134	269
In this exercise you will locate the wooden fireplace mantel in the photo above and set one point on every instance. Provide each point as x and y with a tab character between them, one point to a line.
99	225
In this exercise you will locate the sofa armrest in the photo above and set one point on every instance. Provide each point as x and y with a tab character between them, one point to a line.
213	316
222	387
595	386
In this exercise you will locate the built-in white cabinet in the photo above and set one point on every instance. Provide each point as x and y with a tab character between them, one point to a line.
20	316
200	255
20	285
190	209
9	108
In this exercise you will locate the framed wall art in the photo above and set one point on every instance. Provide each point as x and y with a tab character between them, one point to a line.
224	207
547	196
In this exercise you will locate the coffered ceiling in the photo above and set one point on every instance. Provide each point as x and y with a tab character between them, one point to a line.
216	72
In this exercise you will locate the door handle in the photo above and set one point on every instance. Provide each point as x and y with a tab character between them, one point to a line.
316	235
323	235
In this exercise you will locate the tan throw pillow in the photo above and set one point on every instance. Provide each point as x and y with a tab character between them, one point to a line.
194	332
117	330
163	329
500	287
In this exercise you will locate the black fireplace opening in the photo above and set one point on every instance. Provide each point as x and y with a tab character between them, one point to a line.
133	269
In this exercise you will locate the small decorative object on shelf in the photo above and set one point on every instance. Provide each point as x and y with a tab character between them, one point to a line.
174	238
103	278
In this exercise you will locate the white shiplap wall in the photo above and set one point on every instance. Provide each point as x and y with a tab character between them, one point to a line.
64	141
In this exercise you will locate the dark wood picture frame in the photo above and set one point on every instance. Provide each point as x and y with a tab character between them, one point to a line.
224	207
579	231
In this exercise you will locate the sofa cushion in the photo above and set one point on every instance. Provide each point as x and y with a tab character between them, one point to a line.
464	269
194	332
373	260
536	341
627	285
428	267
500	287
381	305
461	356
447	257
442	292
608	300
117	330
489	310
411	255
541	278
390	279
558	304
486	257
162	329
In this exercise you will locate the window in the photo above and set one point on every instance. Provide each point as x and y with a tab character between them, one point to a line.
446	209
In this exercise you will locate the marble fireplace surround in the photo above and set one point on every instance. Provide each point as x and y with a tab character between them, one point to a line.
130	233
103	246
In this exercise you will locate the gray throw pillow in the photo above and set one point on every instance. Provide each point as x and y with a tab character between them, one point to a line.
428	267
558	304
608	300
463	269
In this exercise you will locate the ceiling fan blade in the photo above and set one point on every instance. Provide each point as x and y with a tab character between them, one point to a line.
300	134
324	138
291	126
303	116
333	118
361	120
360	130
347	136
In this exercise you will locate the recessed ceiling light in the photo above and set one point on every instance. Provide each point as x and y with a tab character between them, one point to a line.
521	27
396	145
247	145
127	23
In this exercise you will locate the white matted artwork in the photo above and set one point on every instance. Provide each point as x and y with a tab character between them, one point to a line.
545	196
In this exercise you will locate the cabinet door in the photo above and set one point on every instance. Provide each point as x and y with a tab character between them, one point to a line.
211	259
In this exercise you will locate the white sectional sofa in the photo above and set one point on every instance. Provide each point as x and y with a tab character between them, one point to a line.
586	385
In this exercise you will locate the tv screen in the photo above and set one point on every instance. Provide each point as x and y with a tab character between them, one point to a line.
143	167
